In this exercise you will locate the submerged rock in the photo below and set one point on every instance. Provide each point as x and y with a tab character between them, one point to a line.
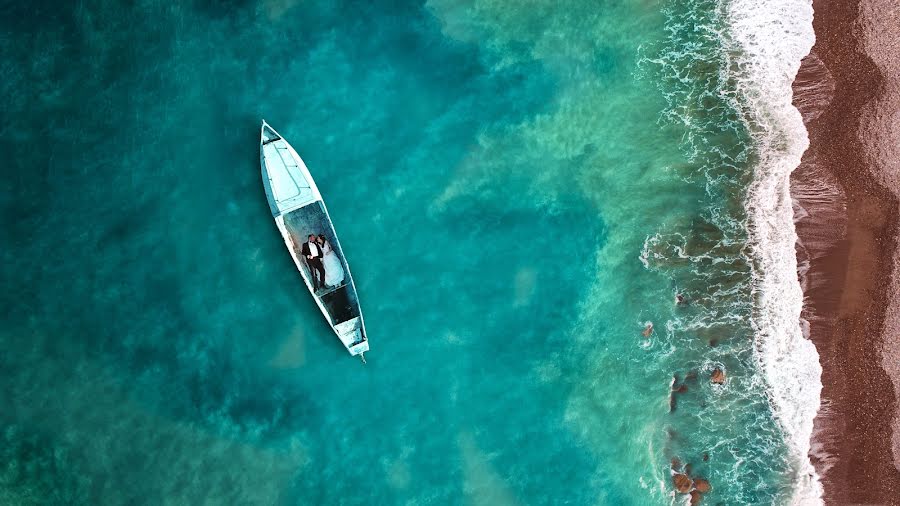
702	485
718	376
696	497
648	330
682	482
676	389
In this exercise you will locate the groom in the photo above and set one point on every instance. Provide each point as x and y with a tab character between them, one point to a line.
313	253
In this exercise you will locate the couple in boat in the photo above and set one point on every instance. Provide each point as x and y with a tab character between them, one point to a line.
324	265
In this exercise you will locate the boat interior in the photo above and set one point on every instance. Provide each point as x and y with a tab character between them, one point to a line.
340	301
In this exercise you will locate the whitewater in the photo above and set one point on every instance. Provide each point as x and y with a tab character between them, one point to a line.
771	38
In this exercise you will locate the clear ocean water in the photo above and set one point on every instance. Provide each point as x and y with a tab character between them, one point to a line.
519	188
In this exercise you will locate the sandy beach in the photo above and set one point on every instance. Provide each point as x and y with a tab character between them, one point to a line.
846	210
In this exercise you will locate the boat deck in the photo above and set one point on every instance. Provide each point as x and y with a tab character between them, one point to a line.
287	184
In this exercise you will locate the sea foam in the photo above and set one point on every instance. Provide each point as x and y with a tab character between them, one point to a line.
767	40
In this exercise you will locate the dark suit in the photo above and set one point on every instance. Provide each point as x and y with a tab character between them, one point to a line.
315	264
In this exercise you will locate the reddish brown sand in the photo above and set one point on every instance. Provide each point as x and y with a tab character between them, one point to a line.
847	223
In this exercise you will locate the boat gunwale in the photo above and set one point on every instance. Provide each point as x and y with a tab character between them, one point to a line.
279	221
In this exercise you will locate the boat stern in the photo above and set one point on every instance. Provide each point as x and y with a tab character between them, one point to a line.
352	335
359	348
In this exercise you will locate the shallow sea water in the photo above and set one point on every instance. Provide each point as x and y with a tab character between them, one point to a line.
518	191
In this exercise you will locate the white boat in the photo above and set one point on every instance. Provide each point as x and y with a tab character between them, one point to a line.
299	211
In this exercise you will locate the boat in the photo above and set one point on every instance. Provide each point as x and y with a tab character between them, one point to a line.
299	210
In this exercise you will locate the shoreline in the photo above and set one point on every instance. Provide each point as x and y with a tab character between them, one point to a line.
847	223
764	74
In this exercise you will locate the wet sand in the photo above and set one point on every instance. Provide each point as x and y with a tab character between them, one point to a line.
846	212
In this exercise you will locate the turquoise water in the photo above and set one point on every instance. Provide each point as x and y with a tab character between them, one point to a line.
518	189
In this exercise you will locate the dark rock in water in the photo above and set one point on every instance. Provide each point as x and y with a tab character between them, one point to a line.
676	464
691	376
713	342
648	330
702	485
705	457
683	483
696	497
679	389
718	376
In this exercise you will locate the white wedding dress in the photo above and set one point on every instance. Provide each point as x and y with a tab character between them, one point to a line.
334	271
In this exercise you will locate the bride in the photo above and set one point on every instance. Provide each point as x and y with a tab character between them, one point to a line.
334	271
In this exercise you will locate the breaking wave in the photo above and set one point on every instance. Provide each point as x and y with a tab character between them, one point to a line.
771	38
727	71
